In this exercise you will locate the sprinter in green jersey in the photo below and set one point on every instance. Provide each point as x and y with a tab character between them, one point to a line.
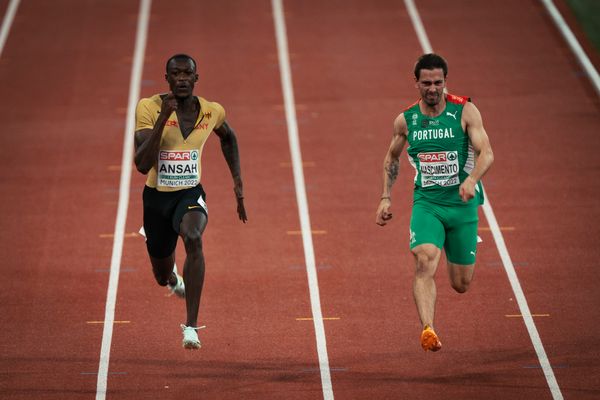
450	151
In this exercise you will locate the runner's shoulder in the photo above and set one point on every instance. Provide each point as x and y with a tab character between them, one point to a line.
455	99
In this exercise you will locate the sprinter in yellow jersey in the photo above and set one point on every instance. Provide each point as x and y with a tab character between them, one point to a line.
171	130
451	152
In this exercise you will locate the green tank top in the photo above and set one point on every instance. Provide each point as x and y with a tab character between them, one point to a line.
441	153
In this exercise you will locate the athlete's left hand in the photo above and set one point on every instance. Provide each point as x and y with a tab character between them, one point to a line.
467	189
239	196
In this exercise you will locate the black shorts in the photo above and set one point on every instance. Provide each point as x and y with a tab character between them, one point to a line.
163	212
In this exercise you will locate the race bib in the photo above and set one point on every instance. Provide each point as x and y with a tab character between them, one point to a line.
177	168
439	168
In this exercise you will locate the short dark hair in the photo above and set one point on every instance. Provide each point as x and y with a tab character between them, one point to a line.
430	61
180	56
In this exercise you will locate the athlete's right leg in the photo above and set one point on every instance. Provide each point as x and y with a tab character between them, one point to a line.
163	270
427	258
161	238
427	236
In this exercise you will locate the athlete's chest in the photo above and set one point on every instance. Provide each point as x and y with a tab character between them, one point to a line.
441	131
188	131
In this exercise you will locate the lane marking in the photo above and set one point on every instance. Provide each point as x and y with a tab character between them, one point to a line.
521	315
521	300
324	319
332	369
127	160
418	25
309	255
516	264
9	17
304	164
101	322
502	228
95	373
499	239
314	232
112	235
573	43
299	107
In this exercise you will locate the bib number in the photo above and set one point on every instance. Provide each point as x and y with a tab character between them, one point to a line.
439	168
178	168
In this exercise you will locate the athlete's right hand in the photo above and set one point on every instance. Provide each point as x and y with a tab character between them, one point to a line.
169	104
383	212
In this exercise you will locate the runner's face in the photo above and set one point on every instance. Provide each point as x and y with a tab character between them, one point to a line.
181	76
431	84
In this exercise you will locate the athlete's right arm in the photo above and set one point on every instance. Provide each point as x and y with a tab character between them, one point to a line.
391	167
147	141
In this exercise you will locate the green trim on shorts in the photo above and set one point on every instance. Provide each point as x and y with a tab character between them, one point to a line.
453	228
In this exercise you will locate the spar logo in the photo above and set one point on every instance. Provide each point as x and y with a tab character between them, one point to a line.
435	157
178	155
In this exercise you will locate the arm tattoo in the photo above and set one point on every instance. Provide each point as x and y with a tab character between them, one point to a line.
392	171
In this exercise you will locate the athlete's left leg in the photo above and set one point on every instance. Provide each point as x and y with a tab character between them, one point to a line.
461	246
191	229
460	276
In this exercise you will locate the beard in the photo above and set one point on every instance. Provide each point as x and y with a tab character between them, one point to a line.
432	99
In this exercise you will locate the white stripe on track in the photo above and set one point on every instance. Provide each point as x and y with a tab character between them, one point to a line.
11	11
301	199
418	25
115	263
573	44
521	300
504	255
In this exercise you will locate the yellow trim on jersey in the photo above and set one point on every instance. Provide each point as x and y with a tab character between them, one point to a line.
211	117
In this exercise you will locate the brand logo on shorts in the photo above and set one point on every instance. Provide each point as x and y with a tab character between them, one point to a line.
412	237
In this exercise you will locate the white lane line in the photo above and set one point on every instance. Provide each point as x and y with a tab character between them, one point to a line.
115	263
521	300
418	25
301	199
11	10
506	261
573	44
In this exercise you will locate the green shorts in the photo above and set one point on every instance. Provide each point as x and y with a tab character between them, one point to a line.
452	227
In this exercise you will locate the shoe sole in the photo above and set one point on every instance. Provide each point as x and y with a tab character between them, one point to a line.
430	341
191	345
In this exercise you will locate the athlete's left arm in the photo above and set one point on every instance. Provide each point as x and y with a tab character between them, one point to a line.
481	145
232	156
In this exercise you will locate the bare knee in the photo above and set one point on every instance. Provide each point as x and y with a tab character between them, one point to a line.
461	287
426	261
192	239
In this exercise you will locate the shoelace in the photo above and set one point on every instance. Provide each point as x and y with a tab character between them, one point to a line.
192	327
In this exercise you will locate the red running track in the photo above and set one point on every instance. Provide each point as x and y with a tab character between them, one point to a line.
65	74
